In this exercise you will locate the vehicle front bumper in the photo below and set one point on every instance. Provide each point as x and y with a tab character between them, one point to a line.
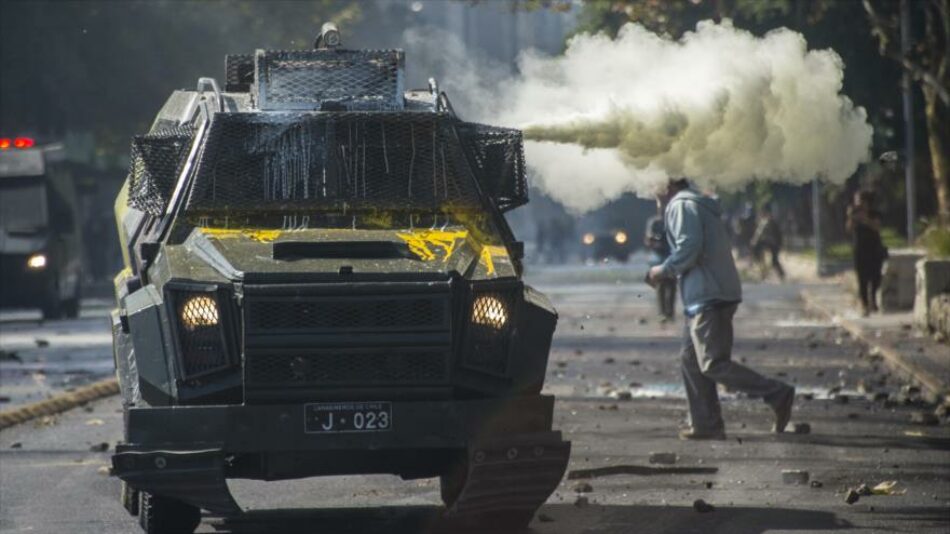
188	452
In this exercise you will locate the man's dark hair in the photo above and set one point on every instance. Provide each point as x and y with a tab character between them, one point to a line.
679	183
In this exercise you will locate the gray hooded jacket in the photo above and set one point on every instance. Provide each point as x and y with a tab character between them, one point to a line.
702	252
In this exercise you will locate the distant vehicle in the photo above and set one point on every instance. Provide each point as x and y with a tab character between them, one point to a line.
610	244
318	281
40	242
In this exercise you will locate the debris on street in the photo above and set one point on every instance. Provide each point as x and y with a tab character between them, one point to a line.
888	487
703	507
924	418
640	470
801	428
796	477
581	502
665	458
583	487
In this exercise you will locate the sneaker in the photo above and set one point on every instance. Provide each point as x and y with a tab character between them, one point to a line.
691	434
783	409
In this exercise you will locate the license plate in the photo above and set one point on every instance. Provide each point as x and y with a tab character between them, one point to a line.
331	417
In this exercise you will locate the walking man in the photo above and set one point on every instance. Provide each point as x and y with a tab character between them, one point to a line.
711	292
768	238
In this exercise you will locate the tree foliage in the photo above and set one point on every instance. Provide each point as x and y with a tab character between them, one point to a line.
106	67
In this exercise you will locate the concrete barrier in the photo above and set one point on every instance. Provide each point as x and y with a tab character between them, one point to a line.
933	279
898	285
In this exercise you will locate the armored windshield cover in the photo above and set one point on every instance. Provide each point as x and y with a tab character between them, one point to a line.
156	162
261	161
497	158
352	80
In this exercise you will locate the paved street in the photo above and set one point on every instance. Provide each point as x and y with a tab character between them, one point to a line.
608	343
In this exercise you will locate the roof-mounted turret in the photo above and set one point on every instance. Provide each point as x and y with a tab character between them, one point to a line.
326	78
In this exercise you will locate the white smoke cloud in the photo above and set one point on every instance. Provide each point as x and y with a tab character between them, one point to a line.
720	106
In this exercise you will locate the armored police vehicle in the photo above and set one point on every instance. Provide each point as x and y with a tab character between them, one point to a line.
319	281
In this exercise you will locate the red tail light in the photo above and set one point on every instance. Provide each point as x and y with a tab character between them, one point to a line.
4	143
23	142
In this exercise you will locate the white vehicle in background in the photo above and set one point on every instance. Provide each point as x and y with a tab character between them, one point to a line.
40	242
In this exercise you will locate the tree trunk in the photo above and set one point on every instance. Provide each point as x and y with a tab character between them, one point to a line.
939	141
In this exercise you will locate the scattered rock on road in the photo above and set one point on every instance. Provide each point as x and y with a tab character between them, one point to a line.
623	395
41	342
664	458
703	507
816	484
99	447
924	418
796	477
10	356
852	496
583	487
16	445
581	502
801	428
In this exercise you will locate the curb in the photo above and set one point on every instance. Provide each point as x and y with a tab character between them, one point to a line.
934	386
59	403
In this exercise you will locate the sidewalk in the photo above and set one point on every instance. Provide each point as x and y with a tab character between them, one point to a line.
891	335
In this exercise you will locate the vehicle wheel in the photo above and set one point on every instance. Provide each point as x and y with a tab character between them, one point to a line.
130	499
453	482
161	515
52	307
71	307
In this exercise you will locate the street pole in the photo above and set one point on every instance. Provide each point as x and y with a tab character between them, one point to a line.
907	101
816	224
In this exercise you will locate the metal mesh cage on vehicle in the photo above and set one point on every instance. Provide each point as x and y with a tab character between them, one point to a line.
254	161
497	158
238	72
366	80
156	162
493	314
201	332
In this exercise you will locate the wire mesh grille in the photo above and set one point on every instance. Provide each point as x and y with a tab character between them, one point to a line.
238	72
200	333
353	368
366	80
400	160
497	159
489	331
156	162
346	315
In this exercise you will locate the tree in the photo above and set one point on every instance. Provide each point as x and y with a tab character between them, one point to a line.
929	65
105	67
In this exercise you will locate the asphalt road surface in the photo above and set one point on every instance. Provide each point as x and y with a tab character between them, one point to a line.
608	345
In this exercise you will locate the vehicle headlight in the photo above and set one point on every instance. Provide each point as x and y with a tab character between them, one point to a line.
198	311
36	261
490	311
588	239
620	237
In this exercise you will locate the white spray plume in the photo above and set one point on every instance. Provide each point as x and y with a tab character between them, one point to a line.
720	106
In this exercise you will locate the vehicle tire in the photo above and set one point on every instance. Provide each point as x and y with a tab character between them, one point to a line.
161	515
52	307
453	482
130	499
71	306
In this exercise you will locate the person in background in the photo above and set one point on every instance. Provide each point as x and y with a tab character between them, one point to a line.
869	252
744	229
655	241
768	238
701	258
